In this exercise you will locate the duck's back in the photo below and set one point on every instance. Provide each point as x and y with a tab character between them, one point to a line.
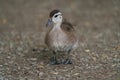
69	30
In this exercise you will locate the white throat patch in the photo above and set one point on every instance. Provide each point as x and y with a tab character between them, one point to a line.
57	18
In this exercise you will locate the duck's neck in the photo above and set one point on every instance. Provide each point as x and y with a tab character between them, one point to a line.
57	26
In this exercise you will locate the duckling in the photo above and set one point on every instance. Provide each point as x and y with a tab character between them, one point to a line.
61	37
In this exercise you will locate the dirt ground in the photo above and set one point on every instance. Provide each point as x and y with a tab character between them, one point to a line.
24	56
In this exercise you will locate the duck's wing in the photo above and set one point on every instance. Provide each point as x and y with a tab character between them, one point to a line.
67	27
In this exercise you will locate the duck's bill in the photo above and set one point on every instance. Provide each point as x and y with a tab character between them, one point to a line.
49	22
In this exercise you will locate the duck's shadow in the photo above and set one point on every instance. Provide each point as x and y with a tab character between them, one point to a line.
43	55
39	55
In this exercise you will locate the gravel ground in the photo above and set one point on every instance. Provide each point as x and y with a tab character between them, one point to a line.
24	56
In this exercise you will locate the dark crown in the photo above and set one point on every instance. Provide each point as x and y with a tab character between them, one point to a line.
53	12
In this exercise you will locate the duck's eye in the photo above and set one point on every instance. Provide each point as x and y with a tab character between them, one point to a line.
56	16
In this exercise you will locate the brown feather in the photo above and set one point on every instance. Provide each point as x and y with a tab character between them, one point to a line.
67	26
69	38
53	12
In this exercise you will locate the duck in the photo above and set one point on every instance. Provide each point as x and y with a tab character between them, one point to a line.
61	37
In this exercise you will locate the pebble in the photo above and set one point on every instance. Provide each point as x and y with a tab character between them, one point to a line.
20	49
2	43
6	64
76	74
87	50
33	59
1	78
41	74
8	57
53	72
41	66
1	65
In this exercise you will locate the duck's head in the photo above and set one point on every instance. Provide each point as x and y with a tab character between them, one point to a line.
55	17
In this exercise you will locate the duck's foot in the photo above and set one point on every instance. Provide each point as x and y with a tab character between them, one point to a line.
66	61
54	62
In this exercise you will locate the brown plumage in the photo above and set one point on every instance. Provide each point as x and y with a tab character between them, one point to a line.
53	12
61	37
64	37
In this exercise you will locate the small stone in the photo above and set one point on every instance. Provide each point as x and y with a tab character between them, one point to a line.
20	54
20	49
53	72
33	59
6	64
1	43
4	21
27	68
87	23
1	77
113	65
94	58
87	50
41	66
8	57
18	67
104	56
76	74
1	65
67	75
41	74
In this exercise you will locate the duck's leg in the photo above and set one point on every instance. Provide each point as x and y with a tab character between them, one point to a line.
53	60
67	60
